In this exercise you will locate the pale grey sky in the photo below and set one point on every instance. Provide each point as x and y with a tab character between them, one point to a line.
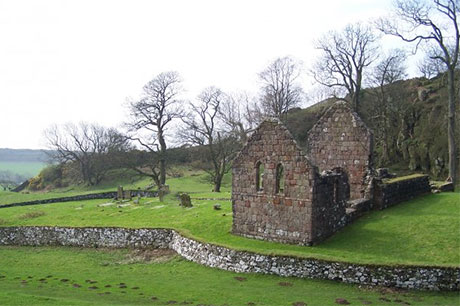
79	60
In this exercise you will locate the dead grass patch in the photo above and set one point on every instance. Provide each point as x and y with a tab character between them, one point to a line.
148	256
31	215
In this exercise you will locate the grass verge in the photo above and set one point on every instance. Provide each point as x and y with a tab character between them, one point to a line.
73	276
423	231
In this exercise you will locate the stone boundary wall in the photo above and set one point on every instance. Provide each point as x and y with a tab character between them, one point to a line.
88	237
409	277
83	197
389	194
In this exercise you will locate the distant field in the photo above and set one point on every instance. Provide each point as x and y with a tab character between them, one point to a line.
27	169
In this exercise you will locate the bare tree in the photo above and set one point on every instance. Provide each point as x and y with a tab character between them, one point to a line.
434	26
88	145
150	118
239	114
202	128
280	90
388	70
430	67
345	56
318	93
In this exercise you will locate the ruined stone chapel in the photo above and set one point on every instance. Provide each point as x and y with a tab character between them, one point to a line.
287	193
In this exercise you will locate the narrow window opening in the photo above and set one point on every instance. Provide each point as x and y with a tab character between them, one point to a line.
279	178
335	192
260	176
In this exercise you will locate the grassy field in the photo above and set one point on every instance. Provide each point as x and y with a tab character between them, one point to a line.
195	183
28	169
423	231
73	276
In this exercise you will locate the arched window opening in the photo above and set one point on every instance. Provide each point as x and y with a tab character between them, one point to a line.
279	178
259	176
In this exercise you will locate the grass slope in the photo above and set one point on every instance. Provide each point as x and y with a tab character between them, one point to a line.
423	231
72	276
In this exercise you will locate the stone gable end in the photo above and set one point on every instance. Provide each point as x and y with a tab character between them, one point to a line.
270	214
341	139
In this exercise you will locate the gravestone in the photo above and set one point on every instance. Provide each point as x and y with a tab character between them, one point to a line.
185	200
127	195
120	193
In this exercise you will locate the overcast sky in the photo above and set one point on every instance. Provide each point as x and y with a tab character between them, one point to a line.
64	61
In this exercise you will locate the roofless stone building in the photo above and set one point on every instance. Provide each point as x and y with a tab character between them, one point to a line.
278	192
341	139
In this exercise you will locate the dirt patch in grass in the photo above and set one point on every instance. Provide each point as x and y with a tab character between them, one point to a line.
342	301
31	215
148	256
2	221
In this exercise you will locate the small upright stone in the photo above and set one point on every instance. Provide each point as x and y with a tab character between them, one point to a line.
120	193
127	195
185	200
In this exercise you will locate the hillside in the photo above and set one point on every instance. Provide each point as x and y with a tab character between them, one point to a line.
17	165
22	155
410	128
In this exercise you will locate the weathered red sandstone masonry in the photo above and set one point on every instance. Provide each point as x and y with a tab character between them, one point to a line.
279	193
341	139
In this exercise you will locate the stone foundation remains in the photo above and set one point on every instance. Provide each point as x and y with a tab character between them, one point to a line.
389	194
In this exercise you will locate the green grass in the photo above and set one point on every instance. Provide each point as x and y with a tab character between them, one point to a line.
402	178
423	231
7	197
47	276
28	169
195	183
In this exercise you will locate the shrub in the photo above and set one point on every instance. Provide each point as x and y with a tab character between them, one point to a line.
35	183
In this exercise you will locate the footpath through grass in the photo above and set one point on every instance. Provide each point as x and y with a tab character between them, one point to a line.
72	276
424	231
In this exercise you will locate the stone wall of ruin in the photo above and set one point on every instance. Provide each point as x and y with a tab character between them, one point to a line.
340	139
328	210
283	216
389	194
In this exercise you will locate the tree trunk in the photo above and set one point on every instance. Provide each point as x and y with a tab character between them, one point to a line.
162	162
451	127
217	183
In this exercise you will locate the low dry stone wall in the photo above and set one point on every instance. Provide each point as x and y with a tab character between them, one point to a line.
83	197
410	277
110	237
389	194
